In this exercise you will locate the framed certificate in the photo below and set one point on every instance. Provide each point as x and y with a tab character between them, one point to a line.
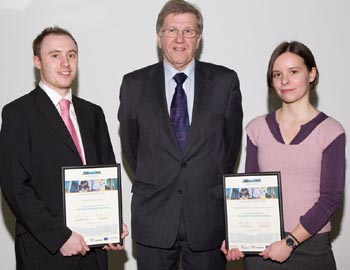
253	211
93	203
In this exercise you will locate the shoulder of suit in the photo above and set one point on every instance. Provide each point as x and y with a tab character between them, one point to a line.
148	70
214	67
24	100
83	102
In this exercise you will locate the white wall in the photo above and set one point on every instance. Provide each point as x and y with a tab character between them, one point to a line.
117	36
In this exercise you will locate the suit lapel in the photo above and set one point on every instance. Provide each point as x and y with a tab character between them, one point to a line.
202	96
83	122
50	113
156	96
203	90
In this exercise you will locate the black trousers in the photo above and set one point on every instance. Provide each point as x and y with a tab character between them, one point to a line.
314	254
31	255
153	258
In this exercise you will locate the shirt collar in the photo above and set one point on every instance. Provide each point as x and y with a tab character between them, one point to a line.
170	71
53	95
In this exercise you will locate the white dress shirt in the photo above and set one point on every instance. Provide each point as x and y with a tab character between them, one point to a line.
55	98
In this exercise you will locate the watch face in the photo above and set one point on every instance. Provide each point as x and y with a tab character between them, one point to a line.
290	242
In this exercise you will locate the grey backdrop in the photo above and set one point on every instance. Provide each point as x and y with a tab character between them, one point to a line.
117	36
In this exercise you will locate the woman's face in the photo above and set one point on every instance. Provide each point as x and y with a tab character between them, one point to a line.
291	79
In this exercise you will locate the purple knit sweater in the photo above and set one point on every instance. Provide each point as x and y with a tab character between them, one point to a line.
312	168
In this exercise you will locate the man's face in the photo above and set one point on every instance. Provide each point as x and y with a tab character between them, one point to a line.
179	50
58	62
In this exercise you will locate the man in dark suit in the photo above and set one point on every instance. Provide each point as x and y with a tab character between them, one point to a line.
34	146
181	129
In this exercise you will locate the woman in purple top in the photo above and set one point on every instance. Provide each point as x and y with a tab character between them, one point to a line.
308	148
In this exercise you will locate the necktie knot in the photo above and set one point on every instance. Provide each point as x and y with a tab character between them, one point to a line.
64	104
180	78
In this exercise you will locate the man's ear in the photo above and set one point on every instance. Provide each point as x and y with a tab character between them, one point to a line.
158	41
37	62
198	41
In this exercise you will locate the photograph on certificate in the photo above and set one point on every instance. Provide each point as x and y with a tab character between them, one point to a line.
92	203
253	210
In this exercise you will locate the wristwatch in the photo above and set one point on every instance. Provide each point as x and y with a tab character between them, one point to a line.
290	242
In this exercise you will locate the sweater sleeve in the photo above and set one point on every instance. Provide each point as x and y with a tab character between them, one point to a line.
332	184
251	162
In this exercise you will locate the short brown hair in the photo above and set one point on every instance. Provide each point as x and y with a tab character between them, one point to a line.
179	7
296	48
55	30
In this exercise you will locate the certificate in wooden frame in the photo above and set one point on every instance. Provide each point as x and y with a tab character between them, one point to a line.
93	203
253	210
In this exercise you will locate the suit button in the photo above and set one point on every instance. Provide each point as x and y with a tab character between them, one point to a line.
183	165
179	191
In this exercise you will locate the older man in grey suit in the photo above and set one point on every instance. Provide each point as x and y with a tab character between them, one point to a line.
181	129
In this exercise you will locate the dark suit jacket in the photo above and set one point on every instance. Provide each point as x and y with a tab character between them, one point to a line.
168	181
34	146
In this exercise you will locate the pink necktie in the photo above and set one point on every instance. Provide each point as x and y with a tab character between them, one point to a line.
64	106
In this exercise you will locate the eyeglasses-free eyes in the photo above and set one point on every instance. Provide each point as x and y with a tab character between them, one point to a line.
173	32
